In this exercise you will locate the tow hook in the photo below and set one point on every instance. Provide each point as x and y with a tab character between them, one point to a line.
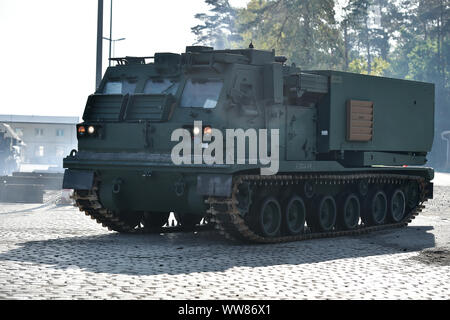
179	187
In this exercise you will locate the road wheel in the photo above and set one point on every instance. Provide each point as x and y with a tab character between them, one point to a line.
294	215
323	215
376	208
349	212
266	218
155	219
397	205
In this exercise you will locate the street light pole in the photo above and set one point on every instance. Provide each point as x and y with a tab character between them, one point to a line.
98	71
114	45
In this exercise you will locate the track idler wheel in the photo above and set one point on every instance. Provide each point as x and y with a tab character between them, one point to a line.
349	212
155	219
375	209
363	187
322	217
294	215
308	189
397	205
412	195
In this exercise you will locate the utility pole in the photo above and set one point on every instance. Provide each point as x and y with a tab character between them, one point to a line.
98	72
110	34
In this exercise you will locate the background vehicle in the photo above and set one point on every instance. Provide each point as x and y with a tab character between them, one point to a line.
10	150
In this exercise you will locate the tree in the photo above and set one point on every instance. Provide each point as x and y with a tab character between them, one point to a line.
423	54
304	31
368	29
407	39
359	65
217	29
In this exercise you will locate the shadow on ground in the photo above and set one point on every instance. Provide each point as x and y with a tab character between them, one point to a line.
206	251
435	256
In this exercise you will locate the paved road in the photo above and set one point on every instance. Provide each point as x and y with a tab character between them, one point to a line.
50	252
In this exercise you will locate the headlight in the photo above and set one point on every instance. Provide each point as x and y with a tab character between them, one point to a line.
81	130
89	130
207	131
196	131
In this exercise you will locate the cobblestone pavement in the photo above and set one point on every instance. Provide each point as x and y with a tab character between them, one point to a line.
51	252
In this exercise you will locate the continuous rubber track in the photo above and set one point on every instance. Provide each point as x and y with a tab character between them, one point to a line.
89	203
225	215
230	223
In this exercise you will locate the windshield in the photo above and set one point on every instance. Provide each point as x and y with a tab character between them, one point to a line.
201	93
119	87
158	86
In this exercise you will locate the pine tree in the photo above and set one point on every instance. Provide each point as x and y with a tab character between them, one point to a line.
217	29
304	31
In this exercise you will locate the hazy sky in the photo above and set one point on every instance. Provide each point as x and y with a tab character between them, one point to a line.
48	47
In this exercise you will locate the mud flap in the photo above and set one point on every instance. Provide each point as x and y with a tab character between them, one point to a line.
214	185
79	180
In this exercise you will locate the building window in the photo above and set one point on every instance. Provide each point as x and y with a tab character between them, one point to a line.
38	132
39	151
60	132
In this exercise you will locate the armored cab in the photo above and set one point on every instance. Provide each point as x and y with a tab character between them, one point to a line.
263	151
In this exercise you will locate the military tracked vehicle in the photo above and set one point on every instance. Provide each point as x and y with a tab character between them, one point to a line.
10	149
349	159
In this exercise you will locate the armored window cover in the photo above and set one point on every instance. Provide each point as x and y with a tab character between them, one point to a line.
103	107
359	120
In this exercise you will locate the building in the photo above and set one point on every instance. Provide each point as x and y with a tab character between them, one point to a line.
48	139
445	135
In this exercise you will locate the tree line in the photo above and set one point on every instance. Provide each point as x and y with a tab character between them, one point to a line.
407	39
